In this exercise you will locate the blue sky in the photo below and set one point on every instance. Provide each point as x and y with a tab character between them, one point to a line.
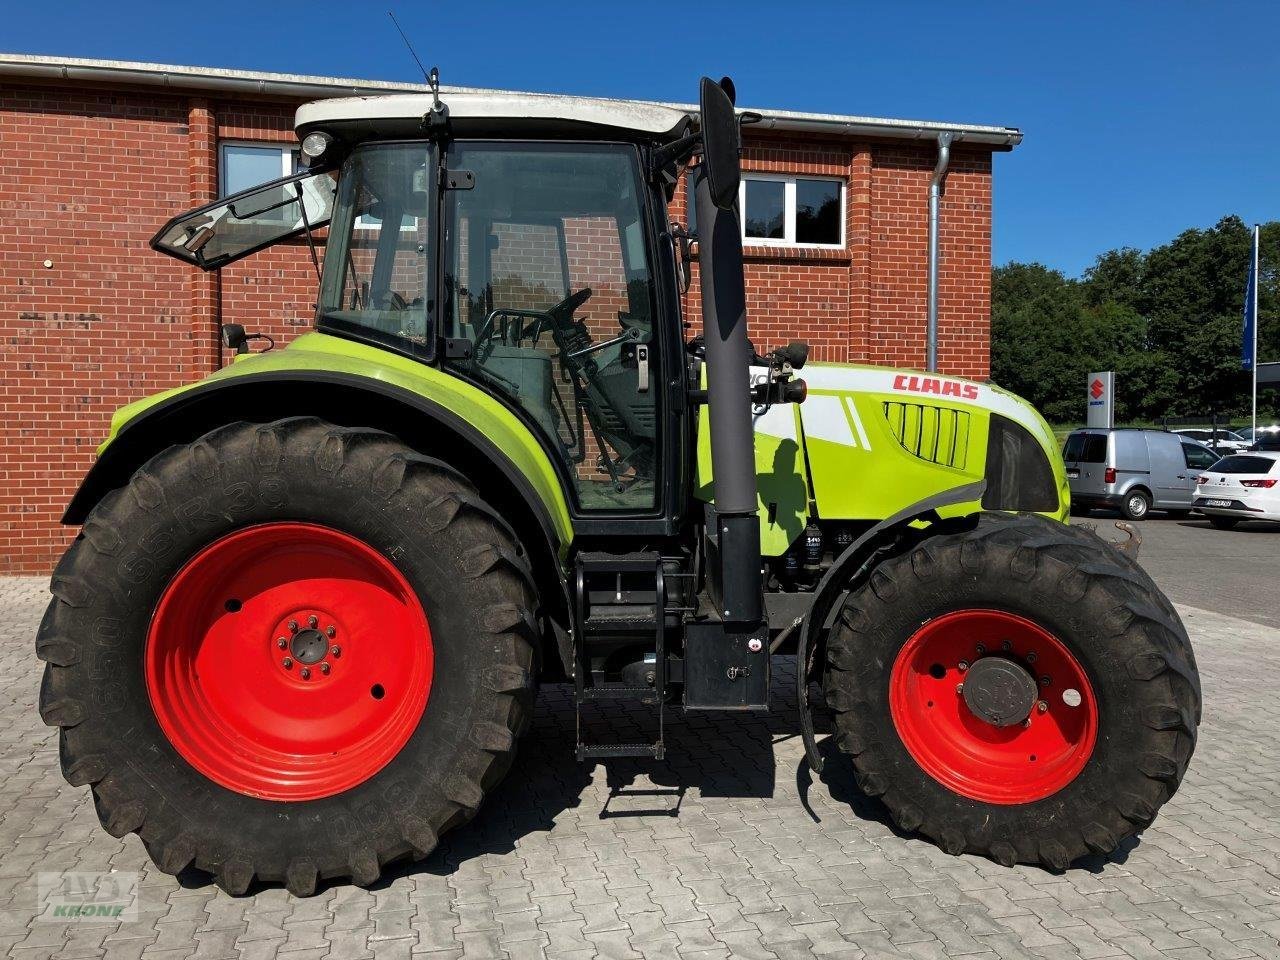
1141	118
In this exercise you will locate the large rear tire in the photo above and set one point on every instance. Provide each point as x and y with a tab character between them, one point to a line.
1020	690
289	652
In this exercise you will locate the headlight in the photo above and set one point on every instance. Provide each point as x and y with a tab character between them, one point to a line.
314	145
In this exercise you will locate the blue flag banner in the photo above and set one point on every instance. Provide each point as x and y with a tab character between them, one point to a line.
1247	358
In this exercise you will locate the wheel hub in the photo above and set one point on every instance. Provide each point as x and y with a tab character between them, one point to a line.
309	646
999	691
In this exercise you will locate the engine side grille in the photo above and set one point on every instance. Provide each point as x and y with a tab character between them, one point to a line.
936	434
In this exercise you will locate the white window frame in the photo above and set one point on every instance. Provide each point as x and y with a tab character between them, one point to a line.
789	210
289	158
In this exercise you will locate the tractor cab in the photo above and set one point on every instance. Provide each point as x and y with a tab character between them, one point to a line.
517	241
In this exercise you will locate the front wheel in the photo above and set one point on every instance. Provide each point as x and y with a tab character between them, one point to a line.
1020	690
289	652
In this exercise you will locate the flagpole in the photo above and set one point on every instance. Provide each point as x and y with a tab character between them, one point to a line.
1254	307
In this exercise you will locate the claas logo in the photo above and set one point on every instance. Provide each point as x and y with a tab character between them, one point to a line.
936	385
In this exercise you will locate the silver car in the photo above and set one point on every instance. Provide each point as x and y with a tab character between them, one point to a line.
1133	470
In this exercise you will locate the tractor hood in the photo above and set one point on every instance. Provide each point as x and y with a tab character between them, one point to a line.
869	440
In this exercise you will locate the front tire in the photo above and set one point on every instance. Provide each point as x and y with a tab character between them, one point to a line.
1047	614
289	652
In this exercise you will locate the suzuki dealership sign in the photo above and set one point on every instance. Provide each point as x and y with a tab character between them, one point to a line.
1101	396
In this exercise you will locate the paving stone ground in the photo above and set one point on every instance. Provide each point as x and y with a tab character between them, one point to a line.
710	854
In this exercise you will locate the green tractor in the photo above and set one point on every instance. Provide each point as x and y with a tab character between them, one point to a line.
302	625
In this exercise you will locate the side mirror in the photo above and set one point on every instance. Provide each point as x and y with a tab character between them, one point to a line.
235	338
721	141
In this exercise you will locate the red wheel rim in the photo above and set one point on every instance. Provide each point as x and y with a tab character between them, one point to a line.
288	661
1019	763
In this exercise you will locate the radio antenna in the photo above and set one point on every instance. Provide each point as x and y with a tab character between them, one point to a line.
432	78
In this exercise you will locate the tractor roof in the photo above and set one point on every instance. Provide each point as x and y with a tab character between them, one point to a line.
478	112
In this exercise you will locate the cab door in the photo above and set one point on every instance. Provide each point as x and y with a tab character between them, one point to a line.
550	305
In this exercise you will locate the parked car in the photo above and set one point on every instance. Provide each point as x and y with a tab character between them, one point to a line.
1133	470
1265	441
1220	440
1243	486
1263	431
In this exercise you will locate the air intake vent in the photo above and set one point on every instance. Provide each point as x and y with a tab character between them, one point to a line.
936	434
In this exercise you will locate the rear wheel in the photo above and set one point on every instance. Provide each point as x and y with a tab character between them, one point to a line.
289	652
1019	690
1136	505
1224	523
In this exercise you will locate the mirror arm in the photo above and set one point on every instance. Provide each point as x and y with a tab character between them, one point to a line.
675	152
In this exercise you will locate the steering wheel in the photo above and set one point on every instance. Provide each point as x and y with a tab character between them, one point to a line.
390	300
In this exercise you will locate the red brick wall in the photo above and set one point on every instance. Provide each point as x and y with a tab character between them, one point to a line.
87	175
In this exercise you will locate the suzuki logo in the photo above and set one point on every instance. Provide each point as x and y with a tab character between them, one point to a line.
1096	389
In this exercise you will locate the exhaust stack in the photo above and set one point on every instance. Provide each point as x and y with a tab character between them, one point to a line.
736	541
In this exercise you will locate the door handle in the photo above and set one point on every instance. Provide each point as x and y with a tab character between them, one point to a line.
642	368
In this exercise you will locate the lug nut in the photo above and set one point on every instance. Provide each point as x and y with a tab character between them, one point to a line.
293	626
1031	656
288	663
336	650
1044	681
1042	706
981	649
963	665
312	621
959	688
1026	724
324	668
331	632
1006	645
306	673
281	642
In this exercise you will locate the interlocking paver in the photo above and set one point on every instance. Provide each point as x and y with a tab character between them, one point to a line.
551	869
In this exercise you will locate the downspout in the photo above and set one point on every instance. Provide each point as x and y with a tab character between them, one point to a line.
935	204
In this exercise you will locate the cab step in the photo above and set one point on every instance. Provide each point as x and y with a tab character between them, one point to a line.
605	751
619	593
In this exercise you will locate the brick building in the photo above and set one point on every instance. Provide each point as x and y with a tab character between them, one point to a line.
96	155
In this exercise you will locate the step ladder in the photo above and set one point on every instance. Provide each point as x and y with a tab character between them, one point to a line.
595	572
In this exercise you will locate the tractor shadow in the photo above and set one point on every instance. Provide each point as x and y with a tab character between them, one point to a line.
711	755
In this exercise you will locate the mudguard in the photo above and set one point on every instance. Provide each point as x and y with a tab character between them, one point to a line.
833	583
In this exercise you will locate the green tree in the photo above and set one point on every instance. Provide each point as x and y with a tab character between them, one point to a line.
1167	321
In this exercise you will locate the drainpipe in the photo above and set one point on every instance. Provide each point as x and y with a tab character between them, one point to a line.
935	203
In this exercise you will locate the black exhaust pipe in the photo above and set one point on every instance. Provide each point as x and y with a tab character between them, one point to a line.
736	540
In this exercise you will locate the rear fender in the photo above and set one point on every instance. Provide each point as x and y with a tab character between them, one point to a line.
346	400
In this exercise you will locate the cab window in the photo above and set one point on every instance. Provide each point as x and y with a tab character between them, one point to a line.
375	278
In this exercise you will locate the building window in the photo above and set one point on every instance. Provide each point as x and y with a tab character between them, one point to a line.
792	211
245	165
787	211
